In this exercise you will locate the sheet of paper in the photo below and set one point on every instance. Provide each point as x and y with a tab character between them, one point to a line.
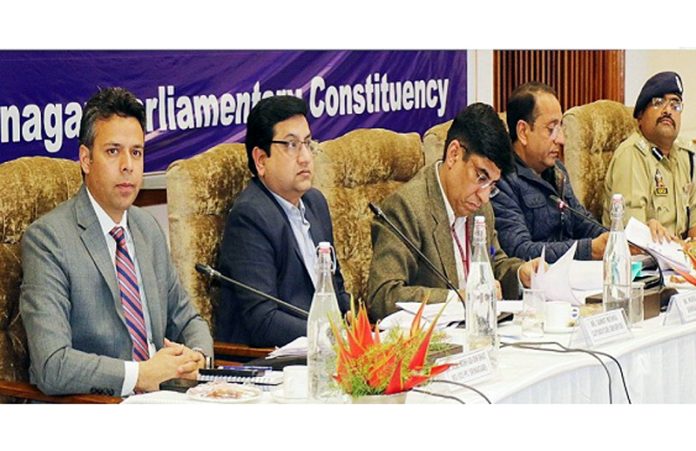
297	347
669	254
569	280
454	312
556	280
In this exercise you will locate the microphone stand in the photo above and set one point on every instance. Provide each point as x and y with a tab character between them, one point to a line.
562	205
214	274
380	214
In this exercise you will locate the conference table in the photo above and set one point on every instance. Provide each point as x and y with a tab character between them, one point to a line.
658	361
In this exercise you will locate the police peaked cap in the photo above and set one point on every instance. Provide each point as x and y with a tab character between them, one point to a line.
657	86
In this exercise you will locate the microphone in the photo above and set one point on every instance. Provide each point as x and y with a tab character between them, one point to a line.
562	205
380	214
214	274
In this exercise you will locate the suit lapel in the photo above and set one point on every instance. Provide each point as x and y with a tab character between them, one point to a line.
279	210
442	235
149	281
95	243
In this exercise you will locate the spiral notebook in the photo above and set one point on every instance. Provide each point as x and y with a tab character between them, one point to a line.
269	378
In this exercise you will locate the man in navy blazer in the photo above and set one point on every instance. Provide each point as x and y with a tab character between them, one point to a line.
273	229
525	217
101	301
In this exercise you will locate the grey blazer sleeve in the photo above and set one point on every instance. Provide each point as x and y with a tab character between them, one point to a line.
56	367
184	323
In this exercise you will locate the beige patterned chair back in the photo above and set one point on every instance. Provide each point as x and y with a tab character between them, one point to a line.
435	137
359	167
592	133
200	193
29	187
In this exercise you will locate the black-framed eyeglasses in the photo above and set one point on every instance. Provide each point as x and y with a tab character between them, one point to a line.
293	146
675	105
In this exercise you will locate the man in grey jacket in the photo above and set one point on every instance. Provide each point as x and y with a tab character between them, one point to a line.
101	301
525	218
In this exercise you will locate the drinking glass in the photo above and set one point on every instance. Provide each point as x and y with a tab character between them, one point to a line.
533	313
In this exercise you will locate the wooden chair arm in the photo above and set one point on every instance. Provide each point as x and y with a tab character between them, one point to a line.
223	349
24	390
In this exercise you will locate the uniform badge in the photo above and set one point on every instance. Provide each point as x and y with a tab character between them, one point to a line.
660	187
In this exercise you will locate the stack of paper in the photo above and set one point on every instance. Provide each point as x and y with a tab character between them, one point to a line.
669	254
296	348
453	313
569	280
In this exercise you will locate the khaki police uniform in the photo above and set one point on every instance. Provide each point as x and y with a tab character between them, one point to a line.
653	186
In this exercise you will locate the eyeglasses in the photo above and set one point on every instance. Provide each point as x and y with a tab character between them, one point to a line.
485	183
554	130
293	146
675	105
482	180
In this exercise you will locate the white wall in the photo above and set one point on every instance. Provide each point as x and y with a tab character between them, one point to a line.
480	76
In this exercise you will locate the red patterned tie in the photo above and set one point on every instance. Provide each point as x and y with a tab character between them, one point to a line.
130	296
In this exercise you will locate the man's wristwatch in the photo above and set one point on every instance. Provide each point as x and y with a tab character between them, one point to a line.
208	360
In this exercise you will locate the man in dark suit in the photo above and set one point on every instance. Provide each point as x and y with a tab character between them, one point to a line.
273	229
100	297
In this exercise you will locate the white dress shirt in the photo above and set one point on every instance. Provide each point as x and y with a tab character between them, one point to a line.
300	228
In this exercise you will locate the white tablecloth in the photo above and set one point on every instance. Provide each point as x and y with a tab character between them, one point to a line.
659	364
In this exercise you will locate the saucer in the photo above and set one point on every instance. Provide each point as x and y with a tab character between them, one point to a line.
224	392
279	397
559	330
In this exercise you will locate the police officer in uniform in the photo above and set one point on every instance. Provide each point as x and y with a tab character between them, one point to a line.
652	168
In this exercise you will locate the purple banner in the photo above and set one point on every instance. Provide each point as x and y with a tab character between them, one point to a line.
197	99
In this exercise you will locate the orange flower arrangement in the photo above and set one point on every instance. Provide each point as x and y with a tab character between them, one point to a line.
690	250
366	365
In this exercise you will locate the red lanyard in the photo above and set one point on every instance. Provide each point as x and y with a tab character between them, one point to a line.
464	255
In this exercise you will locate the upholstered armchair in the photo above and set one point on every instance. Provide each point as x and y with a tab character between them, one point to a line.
434	141
359	167
200	193
29	187
592	132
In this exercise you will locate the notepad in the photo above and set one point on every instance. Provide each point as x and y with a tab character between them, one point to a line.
270	378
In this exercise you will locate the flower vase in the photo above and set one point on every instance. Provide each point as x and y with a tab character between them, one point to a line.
396	398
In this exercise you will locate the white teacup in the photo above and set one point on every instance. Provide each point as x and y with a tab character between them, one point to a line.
295	382
559	315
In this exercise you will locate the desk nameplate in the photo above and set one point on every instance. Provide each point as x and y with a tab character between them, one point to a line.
468	366
681	309
604	328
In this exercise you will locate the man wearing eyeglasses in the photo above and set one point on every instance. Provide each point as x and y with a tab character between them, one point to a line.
273	229
652	169
436	210
526	219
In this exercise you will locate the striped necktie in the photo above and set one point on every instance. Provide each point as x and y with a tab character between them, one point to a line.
130	296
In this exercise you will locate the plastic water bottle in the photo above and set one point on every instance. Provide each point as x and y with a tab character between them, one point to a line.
481	317
321	355
617	262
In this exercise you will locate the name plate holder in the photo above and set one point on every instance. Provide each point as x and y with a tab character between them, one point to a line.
600	329
468	366
681	309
